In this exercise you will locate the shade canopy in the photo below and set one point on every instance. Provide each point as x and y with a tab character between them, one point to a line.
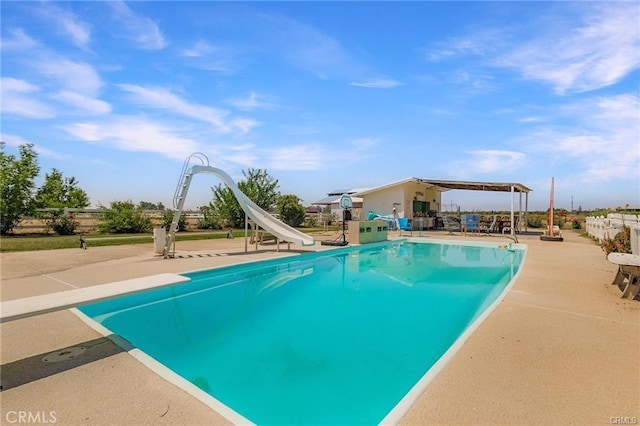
447	185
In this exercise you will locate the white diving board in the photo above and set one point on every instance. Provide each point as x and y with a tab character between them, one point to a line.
30	306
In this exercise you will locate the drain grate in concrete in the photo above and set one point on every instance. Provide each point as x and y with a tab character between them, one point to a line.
64	354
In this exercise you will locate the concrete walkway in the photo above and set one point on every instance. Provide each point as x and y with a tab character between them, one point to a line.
562	347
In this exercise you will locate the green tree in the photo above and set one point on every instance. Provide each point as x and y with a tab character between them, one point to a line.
124	218
168	218
17	184
290	210
261	188
146	205
211	218
58	193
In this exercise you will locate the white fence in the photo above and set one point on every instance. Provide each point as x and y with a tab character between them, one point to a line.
598	227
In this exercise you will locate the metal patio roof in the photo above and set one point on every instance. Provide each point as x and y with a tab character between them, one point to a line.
447	185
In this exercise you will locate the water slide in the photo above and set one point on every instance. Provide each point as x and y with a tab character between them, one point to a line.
280	229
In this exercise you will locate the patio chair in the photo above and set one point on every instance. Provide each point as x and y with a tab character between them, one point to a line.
405	225
506	227
450	224
470	222
492	227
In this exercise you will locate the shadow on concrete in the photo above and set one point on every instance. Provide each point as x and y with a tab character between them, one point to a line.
40	366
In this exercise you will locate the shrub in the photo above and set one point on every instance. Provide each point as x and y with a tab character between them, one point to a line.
310	221
168	218
63	225
211	219
290	210
534	221
124	218
621	242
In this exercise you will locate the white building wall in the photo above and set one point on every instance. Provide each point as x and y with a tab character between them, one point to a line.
401	197
382	202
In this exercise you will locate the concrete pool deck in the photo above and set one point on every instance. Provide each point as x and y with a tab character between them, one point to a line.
562	347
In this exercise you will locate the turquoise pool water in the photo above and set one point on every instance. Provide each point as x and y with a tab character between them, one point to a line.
320	338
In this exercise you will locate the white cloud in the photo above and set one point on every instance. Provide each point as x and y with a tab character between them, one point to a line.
377	84
15	140
307	48
251	102
597	53
135	134
83	103
199	50
18	41
603	143
531	119
300	157
155	97
587	46
479	44
73	76
68	23
211	57
141	30
491	161
19	98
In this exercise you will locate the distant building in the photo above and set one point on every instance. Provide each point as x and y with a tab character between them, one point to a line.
332	200
415	198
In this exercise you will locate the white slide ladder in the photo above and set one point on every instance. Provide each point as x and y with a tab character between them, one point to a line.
266	221
179	196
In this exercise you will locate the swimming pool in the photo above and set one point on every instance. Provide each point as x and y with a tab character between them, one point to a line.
335	337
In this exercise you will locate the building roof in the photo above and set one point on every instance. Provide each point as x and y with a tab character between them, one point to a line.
333	199
447	185
334	196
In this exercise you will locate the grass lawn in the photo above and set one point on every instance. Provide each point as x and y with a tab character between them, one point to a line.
52	242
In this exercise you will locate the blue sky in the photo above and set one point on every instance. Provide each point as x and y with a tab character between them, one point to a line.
327	95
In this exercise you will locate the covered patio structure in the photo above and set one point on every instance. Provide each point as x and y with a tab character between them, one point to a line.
408	193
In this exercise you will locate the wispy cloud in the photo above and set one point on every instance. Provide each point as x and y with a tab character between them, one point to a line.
252	101
75	76
475	81
15	140
602	142
597	53
210	57
492	161
144	32
134	134
83	104
73	83
481	43
531	119
378	84
299	157
20	98
18	40
160	98
307	48
200	49
588	46
68	23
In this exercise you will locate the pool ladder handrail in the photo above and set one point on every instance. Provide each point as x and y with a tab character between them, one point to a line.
180	196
